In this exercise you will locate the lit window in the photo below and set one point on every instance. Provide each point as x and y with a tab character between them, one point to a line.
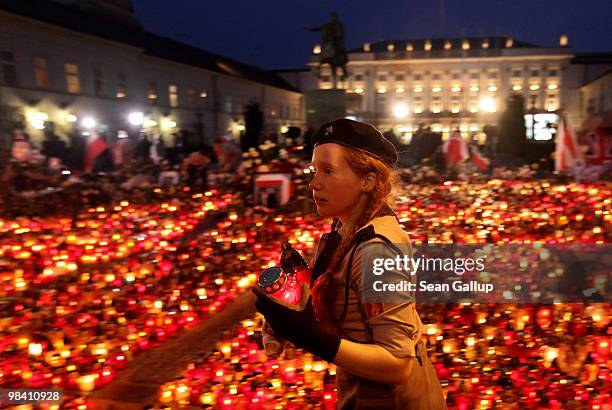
473	105
41	77
152	93
173	95
465	45
418	105
447	45
72	78
516	87
191	97
409	47
427	45
436	104
121	85
98	82
9	70
203	94
381	103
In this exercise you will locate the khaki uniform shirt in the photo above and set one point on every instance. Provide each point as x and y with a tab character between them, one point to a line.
391	323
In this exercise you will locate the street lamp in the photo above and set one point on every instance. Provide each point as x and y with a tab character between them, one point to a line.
136	118
400	111
487	104
89	122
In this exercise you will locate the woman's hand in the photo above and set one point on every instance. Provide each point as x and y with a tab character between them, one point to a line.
299	327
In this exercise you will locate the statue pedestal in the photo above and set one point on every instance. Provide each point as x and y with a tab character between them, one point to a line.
323	106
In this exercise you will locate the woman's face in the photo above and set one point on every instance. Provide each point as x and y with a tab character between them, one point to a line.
336	189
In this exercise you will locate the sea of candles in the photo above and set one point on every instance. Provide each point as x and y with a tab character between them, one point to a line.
238	375
492	355
85	294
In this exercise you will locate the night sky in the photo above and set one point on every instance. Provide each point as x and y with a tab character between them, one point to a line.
272	34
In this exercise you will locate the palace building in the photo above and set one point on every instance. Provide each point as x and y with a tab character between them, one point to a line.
447	84
74	65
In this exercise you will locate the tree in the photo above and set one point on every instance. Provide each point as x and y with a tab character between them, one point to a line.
254	124
512	132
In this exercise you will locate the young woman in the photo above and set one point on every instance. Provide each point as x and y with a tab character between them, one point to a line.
375	340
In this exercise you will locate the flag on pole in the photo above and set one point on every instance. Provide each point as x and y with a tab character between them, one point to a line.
567	150
94	149
455	150
479	160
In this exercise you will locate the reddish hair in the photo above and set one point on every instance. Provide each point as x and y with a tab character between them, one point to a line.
324	290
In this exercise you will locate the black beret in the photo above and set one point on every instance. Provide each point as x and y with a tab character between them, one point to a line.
359	135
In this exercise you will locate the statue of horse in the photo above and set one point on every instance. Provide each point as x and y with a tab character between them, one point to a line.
332	50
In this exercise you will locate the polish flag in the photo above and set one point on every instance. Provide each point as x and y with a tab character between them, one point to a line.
567	151
94	149
455	150
479	160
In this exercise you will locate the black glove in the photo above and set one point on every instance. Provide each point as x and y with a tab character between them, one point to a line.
300	328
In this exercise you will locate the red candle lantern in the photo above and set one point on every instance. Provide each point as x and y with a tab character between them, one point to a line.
544	317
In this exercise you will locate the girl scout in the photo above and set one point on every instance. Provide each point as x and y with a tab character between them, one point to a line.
374	340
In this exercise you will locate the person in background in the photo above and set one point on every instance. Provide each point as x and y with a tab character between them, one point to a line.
157	150
122	150
194	166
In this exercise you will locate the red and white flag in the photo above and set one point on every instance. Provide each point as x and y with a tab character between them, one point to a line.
455	150
479	160
567	150
94	149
